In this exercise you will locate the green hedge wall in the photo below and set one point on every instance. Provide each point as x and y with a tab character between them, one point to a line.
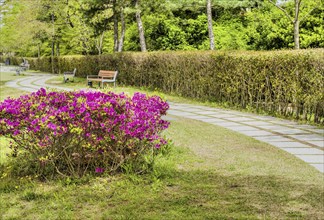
286	83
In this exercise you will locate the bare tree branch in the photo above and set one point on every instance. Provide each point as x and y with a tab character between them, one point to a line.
283	10
305	16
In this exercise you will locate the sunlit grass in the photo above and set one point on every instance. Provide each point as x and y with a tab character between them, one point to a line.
5	91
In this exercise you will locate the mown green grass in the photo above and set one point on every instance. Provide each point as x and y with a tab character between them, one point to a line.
7	91
210	173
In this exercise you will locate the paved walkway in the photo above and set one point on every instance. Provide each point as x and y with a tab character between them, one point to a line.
32	82
304	141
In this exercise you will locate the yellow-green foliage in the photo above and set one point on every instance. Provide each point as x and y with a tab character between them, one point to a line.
288	83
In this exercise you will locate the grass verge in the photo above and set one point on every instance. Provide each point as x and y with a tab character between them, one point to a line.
7	91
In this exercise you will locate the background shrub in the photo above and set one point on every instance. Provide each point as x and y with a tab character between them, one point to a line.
73	133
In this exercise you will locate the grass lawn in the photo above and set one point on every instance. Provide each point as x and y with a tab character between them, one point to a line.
211	173
7	91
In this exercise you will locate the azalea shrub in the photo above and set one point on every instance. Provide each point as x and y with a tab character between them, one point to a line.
80	132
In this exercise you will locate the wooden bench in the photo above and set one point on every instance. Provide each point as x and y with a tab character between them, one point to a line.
104	76
68	75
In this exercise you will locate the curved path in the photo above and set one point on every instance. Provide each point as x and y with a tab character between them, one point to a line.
304	141
33	82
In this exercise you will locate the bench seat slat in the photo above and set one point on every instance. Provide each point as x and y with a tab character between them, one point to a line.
104	76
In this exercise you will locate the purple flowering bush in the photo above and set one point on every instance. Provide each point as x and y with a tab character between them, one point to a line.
73	133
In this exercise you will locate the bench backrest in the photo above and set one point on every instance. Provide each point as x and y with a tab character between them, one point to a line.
108	74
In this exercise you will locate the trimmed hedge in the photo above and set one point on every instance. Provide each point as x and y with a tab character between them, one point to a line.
286	83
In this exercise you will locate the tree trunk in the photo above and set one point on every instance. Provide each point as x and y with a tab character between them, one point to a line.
210	25
39	51
296	24
53	44
140	27
296	34
57	48
99	43
294	20
115	27
123	30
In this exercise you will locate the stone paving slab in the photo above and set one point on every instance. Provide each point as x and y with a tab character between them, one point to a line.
318	131
213	120
226	124
284	122
179	108
244	128
205	108
304	151
208	113
257	123
312	158
273	138
174	112
289	131
220	115
182	104
179	113
317	143
243	114
193	110
319	167
273	127
306	126
241	119
188	114
291	144
199	117
234	113
308	137
264	118
256	133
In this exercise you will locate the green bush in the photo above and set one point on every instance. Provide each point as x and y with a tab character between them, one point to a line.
286	83
76	133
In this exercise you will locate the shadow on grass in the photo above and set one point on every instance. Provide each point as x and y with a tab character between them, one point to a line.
208	195
176	195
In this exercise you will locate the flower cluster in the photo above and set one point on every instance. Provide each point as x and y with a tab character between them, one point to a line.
75	131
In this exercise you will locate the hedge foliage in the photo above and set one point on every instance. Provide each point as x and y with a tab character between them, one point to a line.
286	83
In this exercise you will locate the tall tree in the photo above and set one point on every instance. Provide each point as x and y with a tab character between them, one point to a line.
140	26
123	30
295	19
210	25
115	17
